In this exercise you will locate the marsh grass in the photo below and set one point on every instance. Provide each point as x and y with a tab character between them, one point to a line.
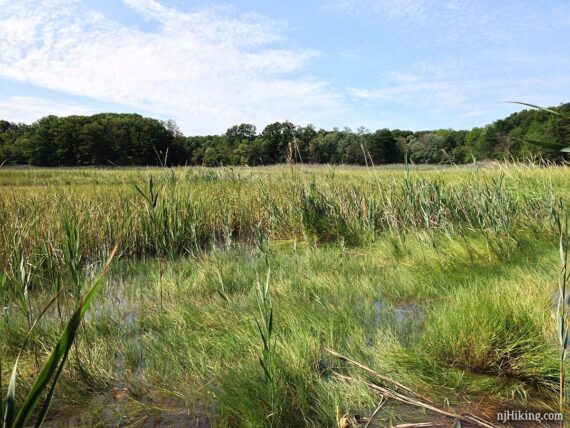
206	345
72	257
563	300
46	379
171	219
265	327
472	251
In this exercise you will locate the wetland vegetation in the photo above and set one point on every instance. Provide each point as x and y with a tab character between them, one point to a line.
255	296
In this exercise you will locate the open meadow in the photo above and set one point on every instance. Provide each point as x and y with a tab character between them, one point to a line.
285	295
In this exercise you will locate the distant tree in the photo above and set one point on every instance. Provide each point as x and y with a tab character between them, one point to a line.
239	141
481	143
94	147
12	138
322	148
211	157
276	140
172	127
131	139
303	138
383	147
40	147
238	133
427	147
66	139
5	126
349	148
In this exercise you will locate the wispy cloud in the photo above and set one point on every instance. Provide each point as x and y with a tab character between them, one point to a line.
425	89
443	91
414	63
462	21
208	69
443	60
390	8
28	109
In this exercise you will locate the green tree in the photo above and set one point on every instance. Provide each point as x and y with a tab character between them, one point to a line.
383	147
276	140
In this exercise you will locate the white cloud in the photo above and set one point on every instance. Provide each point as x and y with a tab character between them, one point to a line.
468	22
445	92
428	89
207	69
395	9
28	109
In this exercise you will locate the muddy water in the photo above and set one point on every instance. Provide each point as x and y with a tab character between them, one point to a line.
403	319
126	403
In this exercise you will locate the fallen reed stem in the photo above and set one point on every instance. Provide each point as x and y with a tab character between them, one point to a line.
386	392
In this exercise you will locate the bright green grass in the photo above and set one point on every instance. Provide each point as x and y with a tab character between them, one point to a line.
439	278
481	327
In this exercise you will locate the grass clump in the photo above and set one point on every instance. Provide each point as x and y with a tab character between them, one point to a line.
441	280
495	331
321	219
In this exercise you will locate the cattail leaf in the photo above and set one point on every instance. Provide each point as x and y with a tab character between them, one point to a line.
266	370
47	401
222	295
52	368
260	331
11	398
141	192
535	106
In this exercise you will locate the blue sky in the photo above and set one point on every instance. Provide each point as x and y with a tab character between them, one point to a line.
408	64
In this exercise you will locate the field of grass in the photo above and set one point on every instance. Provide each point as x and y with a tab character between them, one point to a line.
231	286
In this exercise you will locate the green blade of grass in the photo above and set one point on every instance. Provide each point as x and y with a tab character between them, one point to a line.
11	395
535	106
45	406
2	283
11	398
52	368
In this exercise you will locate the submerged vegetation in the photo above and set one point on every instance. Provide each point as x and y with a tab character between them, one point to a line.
233	293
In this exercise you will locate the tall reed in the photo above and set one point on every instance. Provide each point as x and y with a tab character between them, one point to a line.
265	329
72	257
563	301
46	380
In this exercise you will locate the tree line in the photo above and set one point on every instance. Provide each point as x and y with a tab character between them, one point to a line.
130	139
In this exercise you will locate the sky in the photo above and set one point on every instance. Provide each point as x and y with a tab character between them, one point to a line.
208	65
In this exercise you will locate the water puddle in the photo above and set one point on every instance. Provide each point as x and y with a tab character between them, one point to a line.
127	403
104	411
404	319
127	313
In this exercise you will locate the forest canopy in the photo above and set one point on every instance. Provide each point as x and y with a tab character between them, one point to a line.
131	139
